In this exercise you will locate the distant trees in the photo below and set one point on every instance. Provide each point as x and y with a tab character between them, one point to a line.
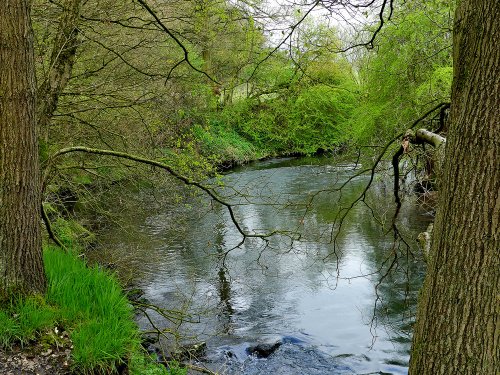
110	75
299	99
407	72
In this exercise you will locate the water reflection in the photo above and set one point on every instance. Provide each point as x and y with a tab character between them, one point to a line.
224	289
325	302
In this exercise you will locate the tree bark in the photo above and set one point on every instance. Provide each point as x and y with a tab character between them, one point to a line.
457	329
21	266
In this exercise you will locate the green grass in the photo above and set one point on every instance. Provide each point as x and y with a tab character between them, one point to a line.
21	319
90	304
9	329
92	301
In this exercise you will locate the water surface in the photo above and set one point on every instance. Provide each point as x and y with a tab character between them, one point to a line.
320	295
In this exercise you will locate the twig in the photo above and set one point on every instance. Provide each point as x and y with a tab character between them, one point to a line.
199	368
176	40
51	233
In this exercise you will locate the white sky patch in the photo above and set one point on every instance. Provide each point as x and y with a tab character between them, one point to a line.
279	18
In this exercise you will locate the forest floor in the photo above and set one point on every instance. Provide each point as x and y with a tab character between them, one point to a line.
35	360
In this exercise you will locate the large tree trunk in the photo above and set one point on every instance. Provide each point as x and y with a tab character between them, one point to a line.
21	266
457	329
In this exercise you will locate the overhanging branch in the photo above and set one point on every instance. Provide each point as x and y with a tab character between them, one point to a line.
170	170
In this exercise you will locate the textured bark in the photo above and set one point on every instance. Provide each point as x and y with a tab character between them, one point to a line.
21	267
61	64
457	329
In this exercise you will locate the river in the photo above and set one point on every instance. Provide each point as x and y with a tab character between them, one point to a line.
324	299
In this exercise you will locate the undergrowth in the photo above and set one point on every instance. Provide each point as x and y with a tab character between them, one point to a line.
90	304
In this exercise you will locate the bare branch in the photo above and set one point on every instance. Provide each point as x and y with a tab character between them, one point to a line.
51	233
288	36
212	194
176	40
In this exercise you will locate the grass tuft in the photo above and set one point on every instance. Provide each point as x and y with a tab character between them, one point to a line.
92	301
9	329
34	314
22	318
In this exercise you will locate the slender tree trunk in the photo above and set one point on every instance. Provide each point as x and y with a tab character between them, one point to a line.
62	60
21	266
457	329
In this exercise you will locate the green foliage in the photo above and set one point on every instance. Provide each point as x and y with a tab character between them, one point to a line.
301	121
186	160
321	105
145	365
367	122
139	364
317	118
174	368
295	106
223	144
407	73
437	87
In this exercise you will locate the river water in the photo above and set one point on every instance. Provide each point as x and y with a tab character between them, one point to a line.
323	296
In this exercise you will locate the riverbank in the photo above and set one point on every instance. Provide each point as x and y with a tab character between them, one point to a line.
84	324
224	148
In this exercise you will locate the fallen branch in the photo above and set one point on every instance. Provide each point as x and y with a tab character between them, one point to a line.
421	136
425	238
425	136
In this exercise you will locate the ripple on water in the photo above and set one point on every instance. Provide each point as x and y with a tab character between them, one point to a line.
288	359
280	287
